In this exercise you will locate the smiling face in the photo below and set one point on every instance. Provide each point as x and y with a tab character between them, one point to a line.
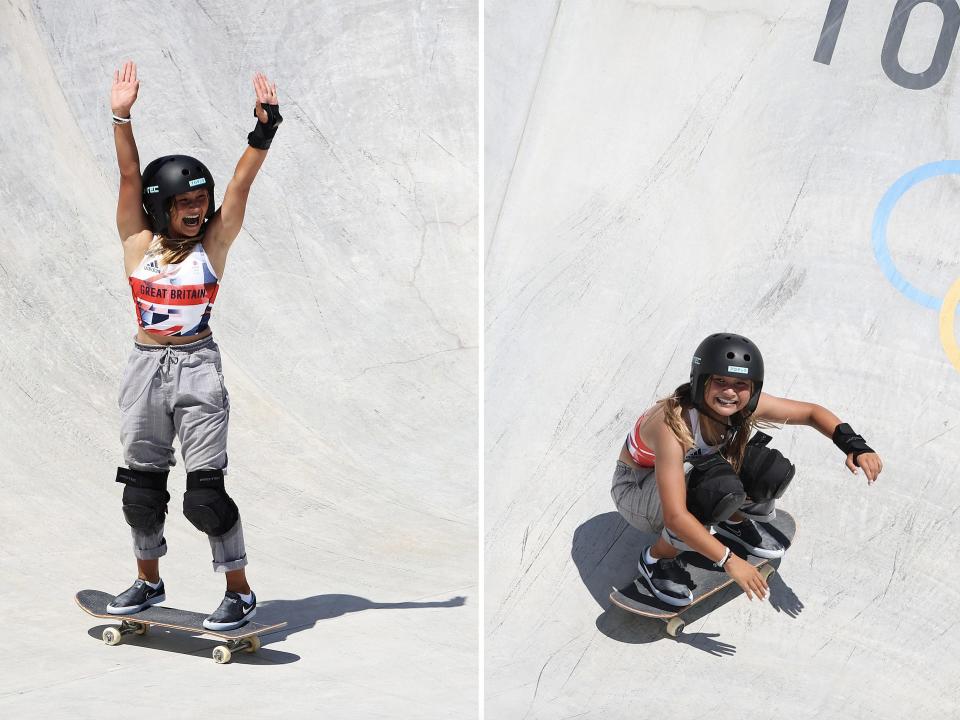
727	395
187	212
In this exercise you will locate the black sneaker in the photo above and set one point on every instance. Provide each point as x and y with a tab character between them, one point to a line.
667	580
135	598
753	538
232	613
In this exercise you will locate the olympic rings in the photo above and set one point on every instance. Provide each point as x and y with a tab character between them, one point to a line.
948	305
882	215
948	311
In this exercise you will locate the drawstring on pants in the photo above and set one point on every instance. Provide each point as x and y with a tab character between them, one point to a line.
167	358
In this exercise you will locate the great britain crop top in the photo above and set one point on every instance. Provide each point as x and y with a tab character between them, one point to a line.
644	456
174	299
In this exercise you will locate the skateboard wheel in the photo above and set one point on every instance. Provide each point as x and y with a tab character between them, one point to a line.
675	626
767	571
221	654
111	636
254	641
140	629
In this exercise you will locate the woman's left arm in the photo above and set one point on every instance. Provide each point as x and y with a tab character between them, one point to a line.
785	411
226	223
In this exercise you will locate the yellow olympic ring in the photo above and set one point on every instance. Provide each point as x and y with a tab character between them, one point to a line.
948	311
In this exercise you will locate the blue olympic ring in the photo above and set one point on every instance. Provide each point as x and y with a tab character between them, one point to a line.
882	215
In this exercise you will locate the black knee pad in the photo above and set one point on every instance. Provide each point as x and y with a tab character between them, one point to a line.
766	473
206	504
145	497
714	491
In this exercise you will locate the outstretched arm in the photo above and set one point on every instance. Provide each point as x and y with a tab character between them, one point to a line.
784	411
226	224
131	219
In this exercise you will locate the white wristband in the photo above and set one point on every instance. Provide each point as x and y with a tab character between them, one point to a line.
723	560
120	121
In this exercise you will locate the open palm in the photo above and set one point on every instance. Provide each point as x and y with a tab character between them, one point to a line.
123	94
266	95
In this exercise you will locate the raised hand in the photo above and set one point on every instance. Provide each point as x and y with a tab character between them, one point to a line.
123	94
266	95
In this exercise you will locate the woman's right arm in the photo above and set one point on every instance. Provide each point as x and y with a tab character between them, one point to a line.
131	219
672	486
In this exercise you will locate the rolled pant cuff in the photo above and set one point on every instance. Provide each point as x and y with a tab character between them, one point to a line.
223	567
228	550
150	553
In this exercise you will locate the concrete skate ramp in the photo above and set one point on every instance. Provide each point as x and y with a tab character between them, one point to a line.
684	168
347	321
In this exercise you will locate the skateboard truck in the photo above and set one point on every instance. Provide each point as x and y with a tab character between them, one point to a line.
222	654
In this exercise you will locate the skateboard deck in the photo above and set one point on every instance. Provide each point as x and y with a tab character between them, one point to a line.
245	637
706	580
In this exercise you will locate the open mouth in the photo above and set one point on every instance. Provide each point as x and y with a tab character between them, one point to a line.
726	403
192	221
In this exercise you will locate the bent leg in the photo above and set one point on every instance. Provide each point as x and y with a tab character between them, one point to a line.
714	490
635	495
766	474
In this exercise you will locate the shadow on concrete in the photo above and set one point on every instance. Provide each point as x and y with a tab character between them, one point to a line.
618	624
307	612
605	550
187	643
299	614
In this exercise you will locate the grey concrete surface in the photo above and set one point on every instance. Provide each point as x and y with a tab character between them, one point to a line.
347	320
515	42
686	167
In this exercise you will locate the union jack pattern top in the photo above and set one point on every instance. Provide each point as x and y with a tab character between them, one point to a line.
174	299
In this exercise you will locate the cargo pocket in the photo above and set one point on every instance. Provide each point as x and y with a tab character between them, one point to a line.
218	391
134	381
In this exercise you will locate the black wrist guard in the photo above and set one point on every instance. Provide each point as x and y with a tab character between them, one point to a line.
849	442
263	133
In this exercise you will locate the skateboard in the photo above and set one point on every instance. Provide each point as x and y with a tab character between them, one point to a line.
706	579
245	637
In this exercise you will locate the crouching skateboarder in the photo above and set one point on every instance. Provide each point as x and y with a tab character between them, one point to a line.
690	465
175	245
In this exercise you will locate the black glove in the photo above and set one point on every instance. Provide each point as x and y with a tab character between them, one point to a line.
849	442
262	134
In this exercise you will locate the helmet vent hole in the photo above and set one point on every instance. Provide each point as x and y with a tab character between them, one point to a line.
184	171
747	358
730	356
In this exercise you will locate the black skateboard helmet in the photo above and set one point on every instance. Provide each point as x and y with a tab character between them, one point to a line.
168	176
730	355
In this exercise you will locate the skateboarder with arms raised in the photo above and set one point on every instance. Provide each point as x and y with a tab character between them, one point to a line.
175	245
690	463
